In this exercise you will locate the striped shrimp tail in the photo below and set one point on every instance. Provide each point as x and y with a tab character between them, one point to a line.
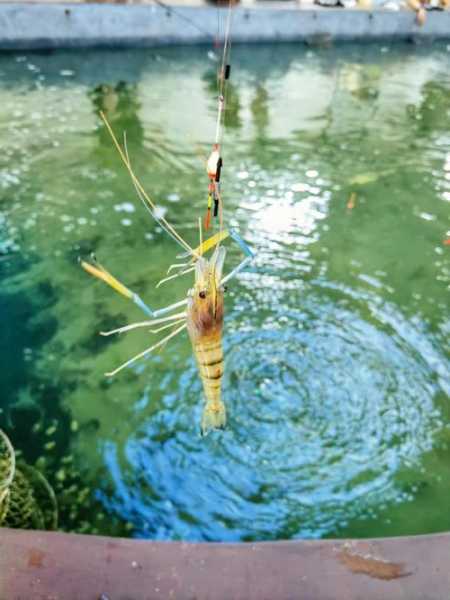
210	363
214	416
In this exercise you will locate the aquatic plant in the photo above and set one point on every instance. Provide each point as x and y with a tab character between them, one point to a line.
27	500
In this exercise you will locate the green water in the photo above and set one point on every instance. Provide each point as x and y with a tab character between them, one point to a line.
337	373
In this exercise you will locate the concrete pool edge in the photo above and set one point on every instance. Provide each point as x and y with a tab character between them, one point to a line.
63	25
47	565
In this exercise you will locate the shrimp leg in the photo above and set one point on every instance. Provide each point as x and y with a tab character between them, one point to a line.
96	270
147	351
170	277
247	251
178	316
202	248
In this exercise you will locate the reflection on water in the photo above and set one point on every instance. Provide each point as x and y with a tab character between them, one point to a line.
336	379
120	104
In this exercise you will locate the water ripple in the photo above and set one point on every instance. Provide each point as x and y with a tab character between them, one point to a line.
324	409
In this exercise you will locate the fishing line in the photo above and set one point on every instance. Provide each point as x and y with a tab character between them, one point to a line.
183	17
223	76
215	163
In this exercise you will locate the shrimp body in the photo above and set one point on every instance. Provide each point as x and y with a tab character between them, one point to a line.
205	324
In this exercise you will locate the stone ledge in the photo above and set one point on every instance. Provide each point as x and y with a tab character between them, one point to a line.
37	565
52	25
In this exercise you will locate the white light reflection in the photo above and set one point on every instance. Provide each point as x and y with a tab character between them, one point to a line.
286	219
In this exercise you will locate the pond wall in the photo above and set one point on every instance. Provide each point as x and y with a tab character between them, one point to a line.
58	566
37	26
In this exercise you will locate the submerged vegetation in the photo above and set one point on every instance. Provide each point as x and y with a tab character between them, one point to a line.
26	499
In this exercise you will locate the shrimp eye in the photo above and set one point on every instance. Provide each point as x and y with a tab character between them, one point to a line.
225	288
202	294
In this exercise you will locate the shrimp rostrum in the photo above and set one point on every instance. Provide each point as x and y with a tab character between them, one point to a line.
201	312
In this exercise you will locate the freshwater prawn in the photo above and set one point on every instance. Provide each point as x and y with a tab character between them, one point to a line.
203	307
